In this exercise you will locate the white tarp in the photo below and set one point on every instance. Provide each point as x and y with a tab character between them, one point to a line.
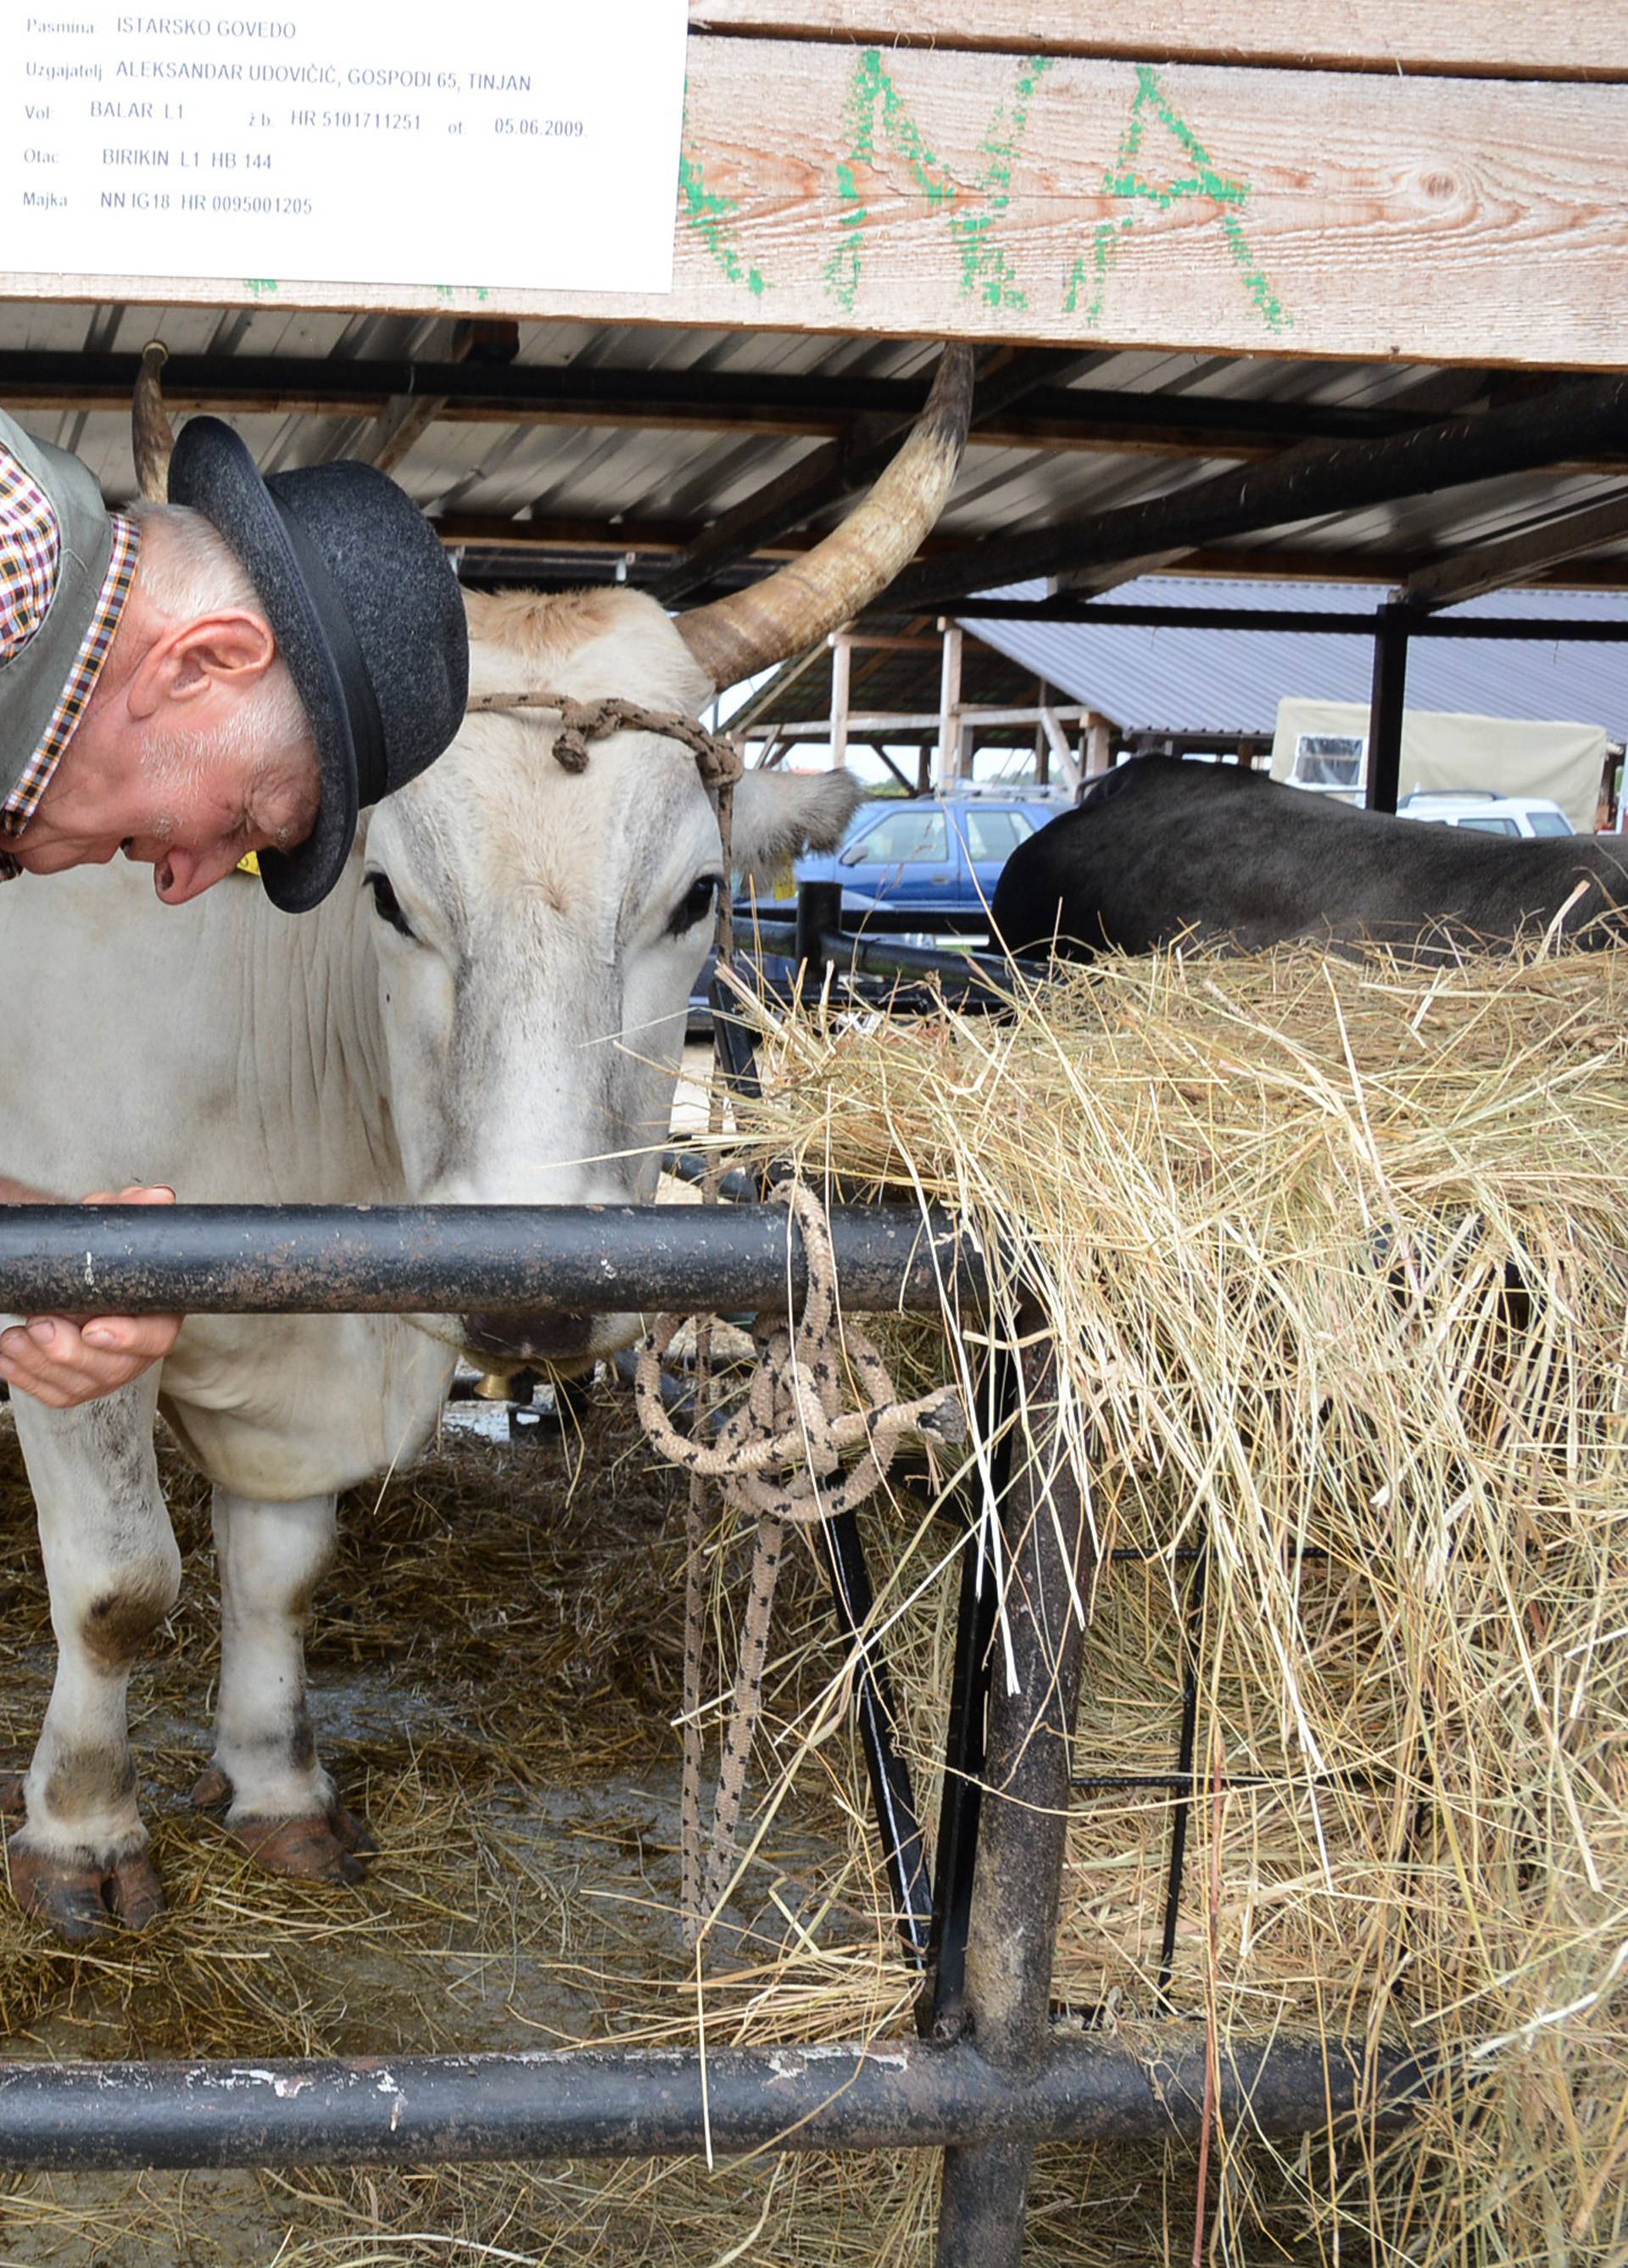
1507	756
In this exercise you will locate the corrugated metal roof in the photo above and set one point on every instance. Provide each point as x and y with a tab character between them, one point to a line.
586	477
1230	679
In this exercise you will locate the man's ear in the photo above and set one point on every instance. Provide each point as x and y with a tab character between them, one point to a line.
229	651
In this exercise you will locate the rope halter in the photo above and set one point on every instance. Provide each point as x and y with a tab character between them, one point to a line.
717	758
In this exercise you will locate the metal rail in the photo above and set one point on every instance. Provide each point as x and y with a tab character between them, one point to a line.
869	956
606	2103
452	1259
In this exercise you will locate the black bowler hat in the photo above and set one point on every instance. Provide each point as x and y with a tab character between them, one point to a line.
367	614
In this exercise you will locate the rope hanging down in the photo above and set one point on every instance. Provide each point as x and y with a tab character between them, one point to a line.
779	1461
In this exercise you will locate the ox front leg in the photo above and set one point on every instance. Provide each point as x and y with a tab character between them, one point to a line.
283	1808
79	1862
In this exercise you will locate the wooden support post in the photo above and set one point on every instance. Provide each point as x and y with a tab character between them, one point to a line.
949	704
1056	744
1098	746
841	682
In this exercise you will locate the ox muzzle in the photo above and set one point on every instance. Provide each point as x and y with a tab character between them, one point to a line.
562	1339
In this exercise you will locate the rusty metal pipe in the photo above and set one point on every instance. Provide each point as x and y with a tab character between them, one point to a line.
457	1259
603	2104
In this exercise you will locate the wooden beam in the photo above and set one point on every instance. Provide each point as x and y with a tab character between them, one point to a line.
563	533
882	756
950	703
1098	746
864	724
1057	742
1271	563
762	700
1517	558
1512	39
777	404
1184	207
841	682
870	641
1093	582
1303	483
1140	424
1292	562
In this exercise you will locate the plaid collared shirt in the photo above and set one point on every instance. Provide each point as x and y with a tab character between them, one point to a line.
29	555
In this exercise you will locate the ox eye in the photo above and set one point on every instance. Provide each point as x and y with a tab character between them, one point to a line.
698	901
386	903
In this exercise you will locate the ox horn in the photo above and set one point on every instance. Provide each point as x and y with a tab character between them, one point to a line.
149	427
795	607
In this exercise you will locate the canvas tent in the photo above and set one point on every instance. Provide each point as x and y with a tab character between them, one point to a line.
1323	744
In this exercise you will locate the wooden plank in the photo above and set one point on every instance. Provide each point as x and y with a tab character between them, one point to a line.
1520	558
828	187
1517	39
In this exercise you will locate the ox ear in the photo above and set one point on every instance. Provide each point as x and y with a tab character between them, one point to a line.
777	814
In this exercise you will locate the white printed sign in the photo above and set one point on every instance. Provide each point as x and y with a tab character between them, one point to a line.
523	143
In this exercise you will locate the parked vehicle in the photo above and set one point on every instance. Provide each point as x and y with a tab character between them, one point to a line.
930	857
922	864
1485	813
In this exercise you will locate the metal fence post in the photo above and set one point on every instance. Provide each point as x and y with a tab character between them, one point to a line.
819	909
1012	1937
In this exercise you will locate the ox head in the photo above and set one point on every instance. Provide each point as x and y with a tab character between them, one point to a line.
535	933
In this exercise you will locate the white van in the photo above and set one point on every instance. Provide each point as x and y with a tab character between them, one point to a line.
1485	813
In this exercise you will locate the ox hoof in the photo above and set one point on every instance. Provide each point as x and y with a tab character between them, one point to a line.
80	1902
211	1791
324	1846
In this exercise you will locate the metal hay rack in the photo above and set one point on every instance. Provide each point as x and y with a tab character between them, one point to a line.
995	2069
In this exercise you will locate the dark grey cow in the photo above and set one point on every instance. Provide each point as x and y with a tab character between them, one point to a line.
1160	849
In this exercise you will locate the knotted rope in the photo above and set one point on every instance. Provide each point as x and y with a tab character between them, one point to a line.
717	758
779	1461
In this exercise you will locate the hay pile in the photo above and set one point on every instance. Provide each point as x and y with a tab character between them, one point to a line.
1337	1256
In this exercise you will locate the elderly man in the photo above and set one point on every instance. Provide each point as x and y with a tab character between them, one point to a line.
241	669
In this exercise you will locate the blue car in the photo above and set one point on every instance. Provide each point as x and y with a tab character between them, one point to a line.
928	856
925	863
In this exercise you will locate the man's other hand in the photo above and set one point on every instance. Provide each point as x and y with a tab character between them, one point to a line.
63	1360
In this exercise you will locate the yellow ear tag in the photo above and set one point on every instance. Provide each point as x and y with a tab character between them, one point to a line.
783	881
249	865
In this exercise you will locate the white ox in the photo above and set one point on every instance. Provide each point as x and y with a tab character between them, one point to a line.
489	1009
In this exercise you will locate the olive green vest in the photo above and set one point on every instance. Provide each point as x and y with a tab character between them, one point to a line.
32	681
